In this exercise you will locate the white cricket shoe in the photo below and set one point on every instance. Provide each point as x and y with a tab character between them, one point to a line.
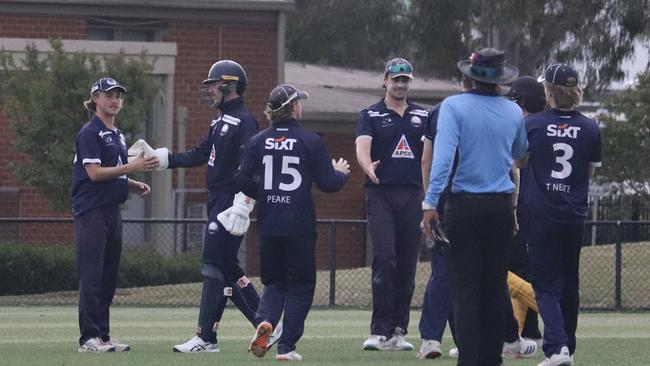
397	342
119	347
291	356
275	337
196	345
453	353
374	343
95	345
521	348
260	342
429	350
559	359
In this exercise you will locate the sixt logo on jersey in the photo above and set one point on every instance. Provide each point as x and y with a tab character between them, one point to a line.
403	150
279	143
563	130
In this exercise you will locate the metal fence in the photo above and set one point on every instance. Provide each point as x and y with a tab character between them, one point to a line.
161	263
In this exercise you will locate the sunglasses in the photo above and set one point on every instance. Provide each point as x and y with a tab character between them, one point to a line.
396	68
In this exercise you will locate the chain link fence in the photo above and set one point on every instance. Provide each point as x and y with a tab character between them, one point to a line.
161	263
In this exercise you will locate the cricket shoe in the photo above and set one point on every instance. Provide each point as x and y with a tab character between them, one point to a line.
275	337
429	350
119	347
196	345
521	348
453	353
374	343
558	359
291	356
260	342
397	342
95	345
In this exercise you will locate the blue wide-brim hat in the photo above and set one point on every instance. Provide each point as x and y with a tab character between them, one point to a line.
488	65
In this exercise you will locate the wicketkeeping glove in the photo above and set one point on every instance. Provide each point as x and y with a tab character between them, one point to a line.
236	218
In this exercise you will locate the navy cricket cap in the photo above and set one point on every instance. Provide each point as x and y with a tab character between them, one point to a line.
282	95
560	74
106	84
529	93
398	67
102	85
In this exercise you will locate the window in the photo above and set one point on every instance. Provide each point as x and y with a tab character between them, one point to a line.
114	29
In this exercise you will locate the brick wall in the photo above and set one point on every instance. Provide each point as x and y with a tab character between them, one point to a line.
200	44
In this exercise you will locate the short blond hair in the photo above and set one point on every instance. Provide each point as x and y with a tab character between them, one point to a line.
282	113
563	97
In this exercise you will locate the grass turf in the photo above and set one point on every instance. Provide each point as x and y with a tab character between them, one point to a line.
48	336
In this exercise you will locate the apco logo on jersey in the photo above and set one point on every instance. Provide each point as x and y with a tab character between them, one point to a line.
563	130
403	150
213	155
279	143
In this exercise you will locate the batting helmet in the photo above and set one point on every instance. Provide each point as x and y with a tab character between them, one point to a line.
227	70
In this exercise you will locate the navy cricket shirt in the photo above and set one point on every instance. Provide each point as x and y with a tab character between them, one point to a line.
563	145
221	149
396	142
97	144
278	168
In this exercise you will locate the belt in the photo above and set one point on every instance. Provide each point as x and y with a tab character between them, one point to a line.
474	196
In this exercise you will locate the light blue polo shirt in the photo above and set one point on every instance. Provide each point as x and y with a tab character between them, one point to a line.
488	131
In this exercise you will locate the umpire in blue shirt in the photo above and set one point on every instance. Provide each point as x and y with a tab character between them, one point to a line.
389	150
100	185
488	131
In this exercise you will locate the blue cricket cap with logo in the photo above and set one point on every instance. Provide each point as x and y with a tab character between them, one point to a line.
398	67
282	95
560	74
102	85
106	84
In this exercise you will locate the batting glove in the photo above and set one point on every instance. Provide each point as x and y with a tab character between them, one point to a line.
141	145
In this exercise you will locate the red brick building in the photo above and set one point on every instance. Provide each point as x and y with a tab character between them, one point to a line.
186	37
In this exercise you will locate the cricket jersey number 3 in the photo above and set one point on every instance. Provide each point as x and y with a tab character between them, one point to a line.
287	161
563	160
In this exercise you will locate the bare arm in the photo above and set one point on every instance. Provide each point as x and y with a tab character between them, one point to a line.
427	159
98	173
363	158
516	179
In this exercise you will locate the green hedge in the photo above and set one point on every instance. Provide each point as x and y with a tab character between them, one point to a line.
31	269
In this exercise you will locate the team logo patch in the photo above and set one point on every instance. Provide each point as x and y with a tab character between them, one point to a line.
213	155
213	228
224	130
387	122
403	150
108	139
416	121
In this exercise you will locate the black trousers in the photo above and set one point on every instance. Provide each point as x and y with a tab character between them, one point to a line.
479	228
394	223
98	246
288	272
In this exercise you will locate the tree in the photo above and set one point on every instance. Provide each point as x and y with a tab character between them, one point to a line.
42	98
355	33
599	34
626	140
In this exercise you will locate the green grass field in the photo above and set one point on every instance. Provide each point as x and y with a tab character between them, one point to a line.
48	336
